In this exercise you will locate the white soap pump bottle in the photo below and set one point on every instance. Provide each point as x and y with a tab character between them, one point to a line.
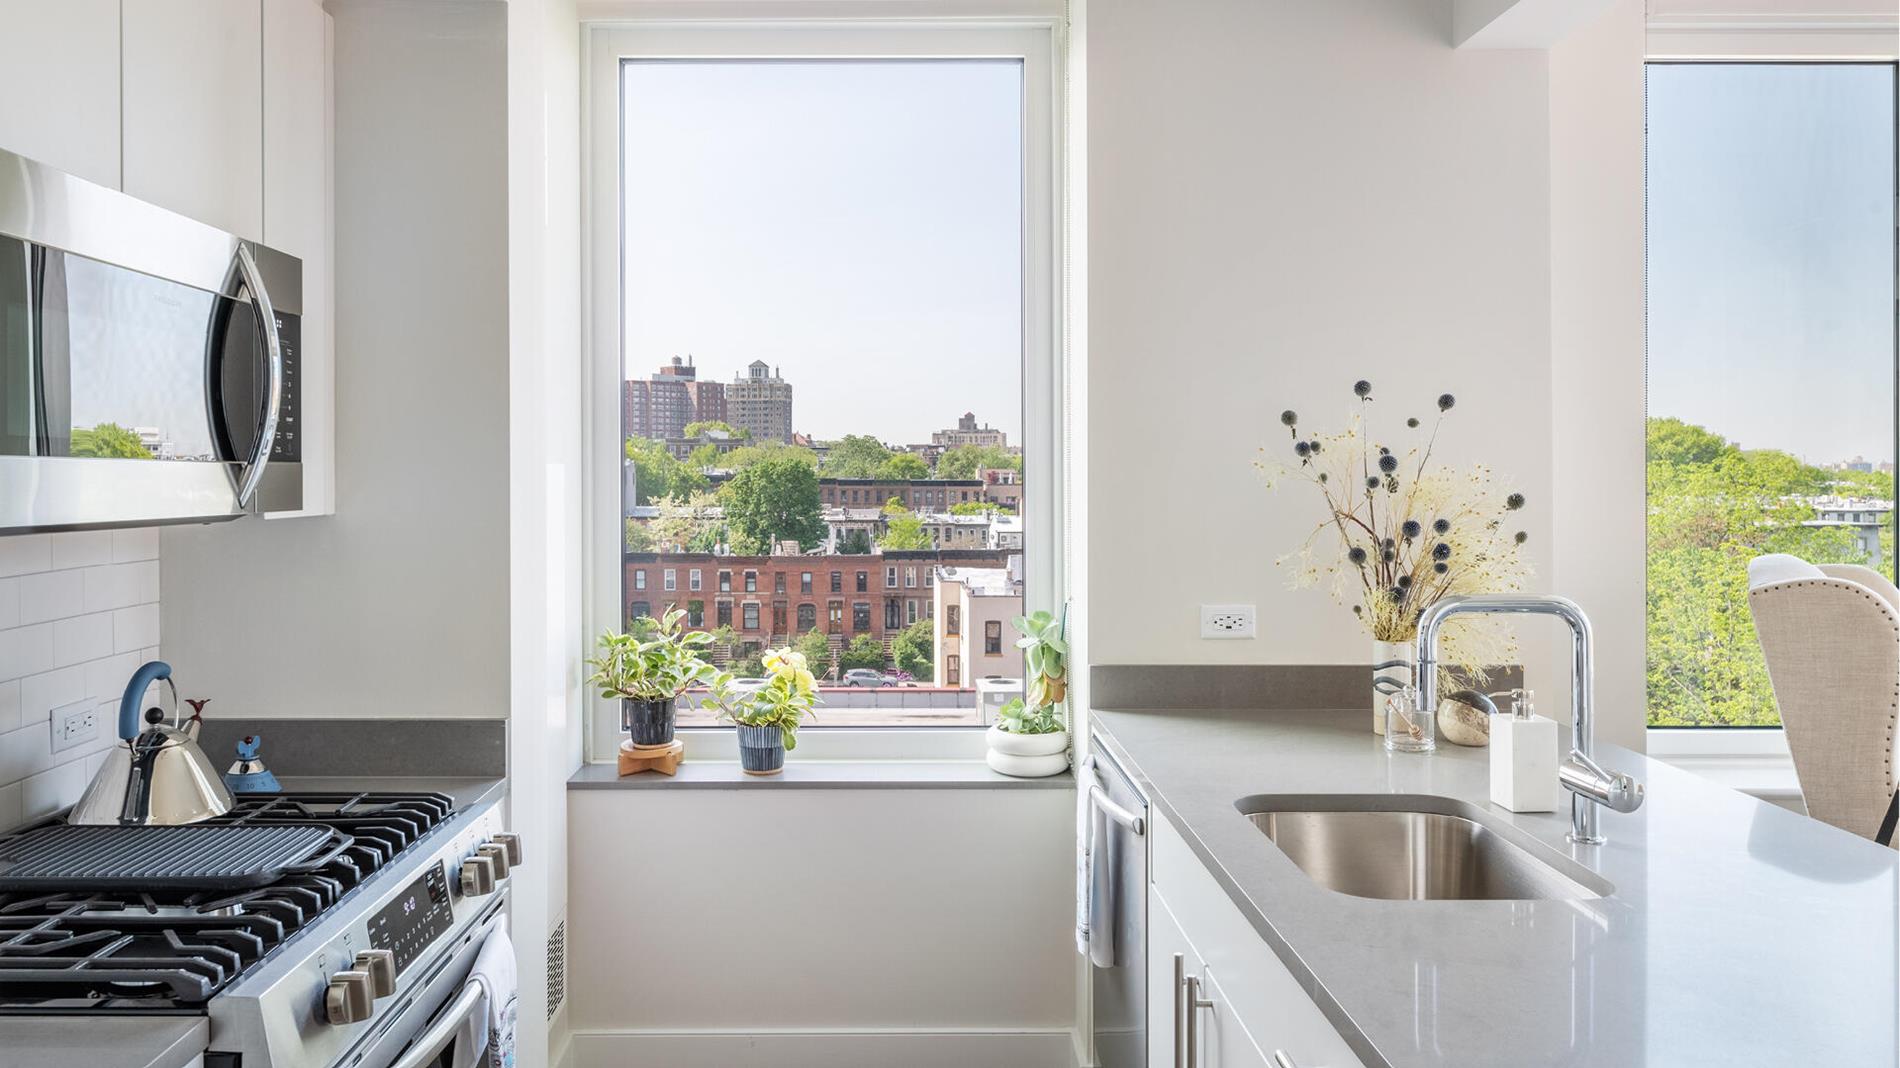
1523	758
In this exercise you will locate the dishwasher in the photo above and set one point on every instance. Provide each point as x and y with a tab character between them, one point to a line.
1119	995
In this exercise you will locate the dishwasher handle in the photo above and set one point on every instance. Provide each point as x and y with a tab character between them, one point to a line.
1098	797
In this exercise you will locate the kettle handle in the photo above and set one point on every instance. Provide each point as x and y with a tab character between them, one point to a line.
129	704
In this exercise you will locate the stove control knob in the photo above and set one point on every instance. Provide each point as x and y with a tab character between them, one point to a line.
512	843
347	1000
380	964
497	855
478	877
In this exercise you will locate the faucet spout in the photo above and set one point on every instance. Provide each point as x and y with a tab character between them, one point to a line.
1589	784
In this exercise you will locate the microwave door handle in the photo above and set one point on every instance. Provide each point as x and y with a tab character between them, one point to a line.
449	1023
274	394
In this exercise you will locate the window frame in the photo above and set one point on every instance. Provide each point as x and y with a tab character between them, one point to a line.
1756	760
803	29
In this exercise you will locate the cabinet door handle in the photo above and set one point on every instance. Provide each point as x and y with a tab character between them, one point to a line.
1180	986
1195	1003
1281	1060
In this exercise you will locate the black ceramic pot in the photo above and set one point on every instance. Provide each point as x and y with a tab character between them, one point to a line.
648	722
761	750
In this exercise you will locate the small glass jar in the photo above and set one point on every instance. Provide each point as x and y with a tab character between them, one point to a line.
1407	730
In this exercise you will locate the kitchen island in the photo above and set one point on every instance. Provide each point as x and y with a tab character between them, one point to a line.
1732	931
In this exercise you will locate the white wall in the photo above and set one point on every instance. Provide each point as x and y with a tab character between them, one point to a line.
930	915
398	604
1597	399
78	614
1284	197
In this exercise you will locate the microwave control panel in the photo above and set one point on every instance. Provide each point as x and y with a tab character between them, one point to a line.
288	448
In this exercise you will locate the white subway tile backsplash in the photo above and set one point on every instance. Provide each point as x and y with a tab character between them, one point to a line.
25	651
129	545
54	789
82	548
51	595
40	694
22	554
78	614
134	628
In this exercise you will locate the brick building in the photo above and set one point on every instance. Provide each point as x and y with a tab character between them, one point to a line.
968	433
918	495
760	401
770	600
660	405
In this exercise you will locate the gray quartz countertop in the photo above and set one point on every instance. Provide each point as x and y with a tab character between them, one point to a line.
1736	932
465	790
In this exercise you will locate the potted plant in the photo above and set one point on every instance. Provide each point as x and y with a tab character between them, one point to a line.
1398	534
767	717
1030	738
648	670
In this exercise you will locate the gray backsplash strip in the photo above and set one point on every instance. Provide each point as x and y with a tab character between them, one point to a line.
1264	686
463	748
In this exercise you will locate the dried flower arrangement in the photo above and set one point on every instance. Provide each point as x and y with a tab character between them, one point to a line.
1408	533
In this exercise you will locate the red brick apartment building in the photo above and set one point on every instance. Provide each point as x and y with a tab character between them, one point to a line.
770	600
918	495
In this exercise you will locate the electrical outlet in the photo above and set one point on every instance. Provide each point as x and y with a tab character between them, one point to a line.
1227	621
74	725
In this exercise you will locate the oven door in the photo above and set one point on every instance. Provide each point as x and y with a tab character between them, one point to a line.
147	362
437	1027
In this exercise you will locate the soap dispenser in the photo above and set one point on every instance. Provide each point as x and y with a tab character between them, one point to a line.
1524	758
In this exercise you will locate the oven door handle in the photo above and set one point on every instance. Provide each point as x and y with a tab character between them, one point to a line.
449	1023
274	395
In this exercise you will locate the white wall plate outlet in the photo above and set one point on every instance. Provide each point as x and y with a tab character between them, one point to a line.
1227	621
74	725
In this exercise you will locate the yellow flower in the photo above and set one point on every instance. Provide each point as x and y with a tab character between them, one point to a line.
806	684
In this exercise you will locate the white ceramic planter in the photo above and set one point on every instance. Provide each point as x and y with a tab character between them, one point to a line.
1027	756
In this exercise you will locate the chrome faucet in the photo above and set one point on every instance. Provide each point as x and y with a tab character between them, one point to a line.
1579	773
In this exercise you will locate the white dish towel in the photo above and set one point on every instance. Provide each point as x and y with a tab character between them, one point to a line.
494	1038
1094	874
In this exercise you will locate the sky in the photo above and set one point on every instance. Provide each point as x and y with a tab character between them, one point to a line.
1771	254
855	223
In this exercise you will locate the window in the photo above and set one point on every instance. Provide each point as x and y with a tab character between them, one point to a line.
639	610
669	580
1771	355
953	669
749	615
725	613
752	582
640	580
778	582
910	610
696	613
692	580
950	620
993	637
849	147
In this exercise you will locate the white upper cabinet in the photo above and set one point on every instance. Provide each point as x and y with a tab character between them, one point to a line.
194	109
59	85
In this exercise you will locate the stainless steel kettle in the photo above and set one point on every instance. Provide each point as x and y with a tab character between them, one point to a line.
156	775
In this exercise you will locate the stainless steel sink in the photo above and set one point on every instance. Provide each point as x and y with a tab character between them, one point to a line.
1412	854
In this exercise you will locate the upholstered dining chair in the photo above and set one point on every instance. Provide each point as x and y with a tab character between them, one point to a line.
1831	636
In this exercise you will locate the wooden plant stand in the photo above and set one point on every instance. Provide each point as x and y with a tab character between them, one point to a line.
664	759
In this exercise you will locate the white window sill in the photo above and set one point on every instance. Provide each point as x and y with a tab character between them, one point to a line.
818	775
1755	762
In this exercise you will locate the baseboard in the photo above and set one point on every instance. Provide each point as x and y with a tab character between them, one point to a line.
823	1049
563	1056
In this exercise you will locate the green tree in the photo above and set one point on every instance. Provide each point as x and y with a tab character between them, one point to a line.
703	457
902	467
110	440
980	508
746	455
854	543
904	532
771	501
657	473
817	650
694	430
964	460
1675	442
863	652
855	456
688	524
639	538
915	650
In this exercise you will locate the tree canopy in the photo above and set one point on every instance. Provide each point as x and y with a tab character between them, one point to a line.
658	474
817	650
771	501
694	430
914	650
856	456
109	440
964	460
902	467
746	455
863	652
903	532
854	543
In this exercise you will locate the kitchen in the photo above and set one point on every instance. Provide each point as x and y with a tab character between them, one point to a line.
398	598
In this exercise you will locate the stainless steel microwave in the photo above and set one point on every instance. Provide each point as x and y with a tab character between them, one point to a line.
148	362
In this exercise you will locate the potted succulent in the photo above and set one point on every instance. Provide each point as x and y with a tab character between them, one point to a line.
1030	738
767	717
648	670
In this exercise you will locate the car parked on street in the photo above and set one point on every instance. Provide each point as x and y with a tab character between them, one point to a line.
867	677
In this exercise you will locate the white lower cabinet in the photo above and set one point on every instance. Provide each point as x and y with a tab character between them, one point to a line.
1253	1010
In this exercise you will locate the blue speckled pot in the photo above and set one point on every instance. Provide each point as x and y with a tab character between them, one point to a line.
648	722
761	750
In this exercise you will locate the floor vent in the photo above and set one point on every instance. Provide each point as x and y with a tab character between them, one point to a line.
557	968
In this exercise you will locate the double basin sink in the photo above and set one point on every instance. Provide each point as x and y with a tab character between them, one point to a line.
1414	848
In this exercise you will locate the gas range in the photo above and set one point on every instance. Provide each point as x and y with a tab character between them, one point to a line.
316	968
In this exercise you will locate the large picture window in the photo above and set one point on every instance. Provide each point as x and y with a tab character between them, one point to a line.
1771	355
